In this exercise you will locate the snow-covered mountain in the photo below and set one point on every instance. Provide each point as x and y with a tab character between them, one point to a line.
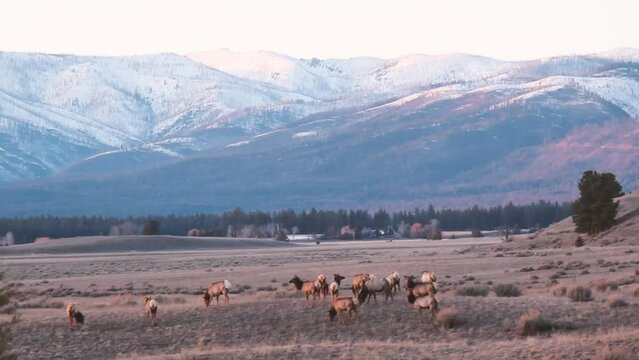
83	105
328	79
67	122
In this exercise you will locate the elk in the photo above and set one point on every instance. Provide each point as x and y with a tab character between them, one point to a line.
308	288
419	288
333	288
323	285
373	286
74	314
423	302
429	277
342	305
151	307
358	281
216	289
393	279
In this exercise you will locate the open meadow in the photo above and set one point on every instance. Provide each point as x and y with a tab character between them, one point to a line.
268	318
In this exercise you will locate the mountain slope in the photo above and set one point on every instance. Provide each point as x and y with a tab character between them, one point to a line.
84	105
163	133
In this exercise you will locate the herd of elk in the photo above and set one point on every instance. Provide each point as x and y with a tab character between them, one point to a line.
421	294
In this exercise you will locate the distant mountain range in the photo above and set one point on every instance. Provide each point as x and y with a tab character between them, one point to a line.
259	130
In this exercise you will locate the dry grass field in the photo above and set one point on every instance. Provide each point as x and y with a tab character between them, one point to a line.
268	318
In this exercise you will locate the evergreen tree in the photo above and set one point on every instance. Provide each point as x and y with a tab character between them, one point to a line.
152	227
595	210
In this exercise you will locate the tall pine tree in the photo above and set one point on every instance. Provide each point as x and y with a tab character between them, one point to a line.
595	210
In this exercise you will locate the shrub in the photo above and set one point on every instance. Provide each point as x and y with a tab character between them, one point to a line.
448	318
533	323
636	292
579	242
127	300
472	291
266	288
603	285
608	353
507	290
559	290
580	294
616	301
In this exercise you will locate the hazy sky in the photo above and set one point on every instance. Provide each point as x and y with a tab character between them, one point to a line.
507	29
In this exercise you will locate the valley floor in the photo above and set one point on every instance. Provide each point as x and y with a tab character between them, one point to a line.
268	318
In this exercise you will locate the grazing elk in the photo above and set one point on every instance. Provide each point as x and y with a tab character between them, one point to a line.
333	288
423	302
371	287
308	288
74	314
151	307
393	279
216	289
358	282
342	305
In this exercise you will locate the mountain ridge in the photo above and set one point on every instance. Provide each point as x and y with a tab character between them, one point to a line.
89	126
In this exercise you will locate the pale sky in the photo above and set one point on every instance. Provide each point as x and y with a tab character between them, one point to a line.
505	29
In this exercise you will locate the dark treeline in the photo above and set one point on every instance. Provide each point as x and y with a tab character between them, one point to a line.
260	224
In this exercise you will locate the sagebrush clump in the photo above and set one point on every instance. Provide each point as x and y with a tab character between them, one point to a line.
615	301
580	294
472	291
448	318
532	323
507	290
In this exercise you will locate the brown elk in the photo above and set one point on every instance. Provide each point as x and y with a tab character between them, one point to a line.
422	302
342	305
308	288
420	288
394	279
322	284
333	288
429	277
74	314
216	289
358	281
151	307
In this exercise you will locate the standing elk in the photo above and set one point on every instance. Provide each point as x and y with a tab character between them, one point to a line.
358	282
420	288
308	288
342	305
74	314
333	288
371	287
429	277
322	284
151	307
423	302
394	279
216	289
